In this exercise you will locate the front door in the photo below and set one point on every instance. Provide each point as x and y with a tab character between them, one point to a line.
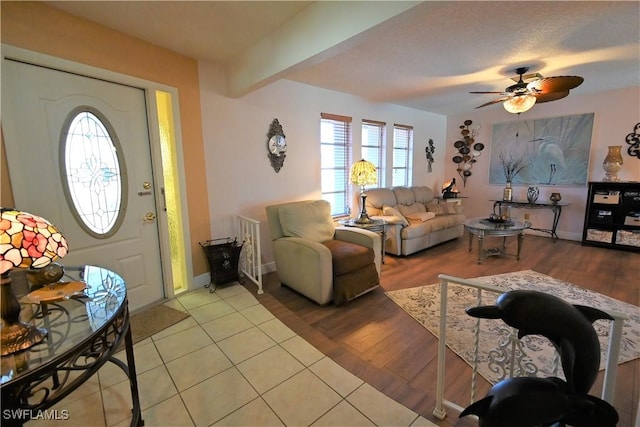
78	155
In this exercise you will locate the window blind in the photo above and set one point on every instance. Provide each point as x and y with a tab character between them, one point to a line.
402	155
374	146
335	159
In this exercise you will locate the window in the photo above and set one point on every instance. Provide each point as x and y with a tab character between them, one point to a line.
402	155
373	146
335	159
92	173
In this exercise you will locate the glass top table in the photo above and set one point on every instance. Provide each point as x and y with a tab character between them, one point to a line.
555	207
483	227
85	330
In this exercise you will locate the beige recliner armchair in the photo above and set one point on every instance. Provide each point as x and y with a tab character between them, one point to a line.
319	260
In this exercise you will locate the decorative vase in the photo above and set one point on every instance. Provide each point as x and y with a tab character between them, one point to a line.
612	164
507	193
555	197
532	194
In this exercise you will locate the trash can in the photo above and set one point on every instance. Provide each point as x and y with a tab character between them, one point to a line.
223	261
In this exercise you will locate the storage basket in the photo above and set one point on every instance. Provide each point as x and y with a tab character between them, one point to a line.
223	260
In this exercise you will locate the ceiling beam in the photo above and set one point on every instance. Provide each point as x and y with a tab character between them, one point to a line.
320	31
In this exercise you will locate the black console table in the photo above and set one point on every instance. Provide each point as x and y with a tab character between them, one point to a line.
555	207
84	332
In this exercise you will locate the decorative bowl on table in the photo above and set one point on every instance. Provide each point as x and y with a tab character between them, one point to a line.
497	219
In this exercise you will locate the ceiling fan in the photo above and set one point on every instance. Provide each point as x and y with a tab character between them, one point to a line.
532	89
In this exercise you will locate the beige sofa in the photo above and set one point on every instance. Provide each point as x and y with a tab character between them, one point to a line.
416	220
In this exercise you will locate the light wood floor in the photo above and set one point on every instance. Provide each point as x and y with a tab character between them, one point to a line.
380	343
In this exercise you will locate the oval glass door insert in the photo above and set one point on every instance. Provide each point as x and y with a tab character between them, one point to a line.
92	172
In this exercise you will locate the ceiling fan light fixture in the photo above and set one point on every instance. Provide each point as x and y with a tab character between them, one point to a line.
519	104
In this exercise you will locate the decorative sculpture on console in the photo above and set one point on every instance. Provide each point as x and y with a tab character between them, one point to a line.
530	401
449	190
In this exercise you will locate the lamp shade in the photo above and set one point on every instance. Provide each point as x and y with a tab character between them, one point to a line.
519	103
363	173
28	241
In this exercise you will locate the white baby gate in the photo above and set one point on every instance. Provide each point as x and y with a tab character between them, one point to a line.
512	364
250	258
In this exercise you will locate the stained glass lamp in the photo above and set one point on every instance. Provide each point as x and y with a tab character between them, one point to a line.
26	241
363	173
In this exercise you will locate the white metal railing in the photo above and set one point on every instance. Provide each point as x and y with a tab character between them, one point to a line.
250	257
611	367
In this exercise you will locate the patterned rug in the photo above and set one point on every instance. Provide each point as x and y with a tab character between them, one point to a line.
423	304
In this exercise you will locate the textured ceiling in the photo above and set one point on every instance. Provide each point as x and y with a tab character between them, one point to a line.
428	56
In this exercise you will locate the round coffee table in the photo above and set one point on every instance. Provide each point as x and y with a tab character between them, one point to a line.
482	227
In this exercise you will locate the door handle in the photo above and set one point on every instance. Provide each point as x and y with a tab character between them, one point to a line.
150	216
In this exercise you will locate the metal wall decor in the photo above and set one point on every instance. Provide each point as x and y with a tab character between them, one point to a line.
633	139
276	145
429	150
468	150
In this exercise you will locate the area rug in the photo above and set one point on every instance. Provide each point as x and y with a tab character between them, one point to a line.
154	320
423	304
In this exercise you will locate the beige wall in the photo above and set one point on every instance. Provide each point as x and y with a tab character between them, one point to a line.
615	114
239	175
40	28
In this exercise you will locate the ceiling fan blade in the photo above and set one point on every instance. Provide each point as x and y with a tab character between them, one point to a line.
551	96
501	93
495	101
555	84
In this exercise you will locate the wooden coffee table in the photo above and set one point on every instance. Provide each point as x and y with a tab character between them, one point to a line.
482	227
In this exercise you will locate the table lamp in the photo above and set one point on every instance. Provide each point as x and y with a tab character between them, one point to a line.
363	173
26	241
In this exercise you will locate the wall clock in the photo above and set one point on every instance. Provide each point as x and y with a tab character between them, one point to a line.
276	145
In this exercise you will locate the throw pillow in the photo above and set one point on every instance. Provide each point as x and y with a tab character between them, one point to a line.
439	209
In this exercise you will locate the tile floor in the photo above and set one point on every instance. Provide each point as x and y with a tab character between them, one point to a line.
231	363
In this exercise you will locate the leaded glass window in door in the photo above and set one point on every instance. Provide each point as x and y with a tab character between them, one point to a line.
93	172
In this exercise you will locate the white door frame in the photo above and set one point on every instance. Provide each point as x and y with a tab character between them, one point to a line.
149	89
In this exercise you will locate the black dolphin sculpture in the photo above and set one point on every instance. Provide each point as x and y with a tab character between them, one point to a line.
568	327
531	402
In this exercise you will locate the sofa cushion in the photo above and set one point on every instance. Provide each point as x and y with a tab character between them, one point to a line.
377	198
407	210
416	230
423	194
421	216
395	217
441	209
404	196
347	257
311	220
